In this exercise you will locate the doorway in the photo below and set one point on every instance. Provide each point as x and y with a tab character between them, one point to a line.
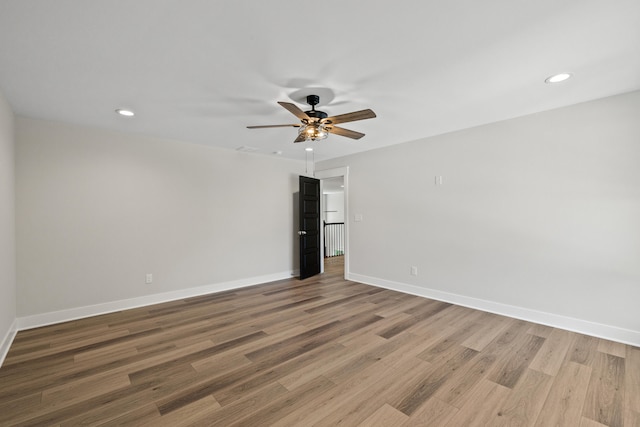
335	209
333	224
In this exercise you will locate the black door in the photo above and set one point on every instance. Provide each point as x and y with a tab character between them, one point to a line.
309	227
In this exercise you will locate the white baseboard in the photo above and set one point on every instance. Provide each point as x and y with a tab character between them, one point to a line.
613	333
6	342
50	318
599	330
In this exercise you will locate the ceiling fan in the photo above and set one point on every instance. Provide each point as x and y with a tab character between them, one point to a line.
316	125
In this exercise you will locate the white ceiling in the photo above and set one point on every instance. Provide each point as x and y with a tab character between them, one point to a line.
202	70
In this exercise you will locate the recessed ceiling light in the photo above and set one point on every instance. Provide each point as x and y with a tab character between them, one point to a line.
308	149
557	78
125	112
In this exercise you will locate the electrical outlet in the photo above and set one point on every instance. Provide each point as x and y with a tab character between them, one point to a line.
414	270
149	278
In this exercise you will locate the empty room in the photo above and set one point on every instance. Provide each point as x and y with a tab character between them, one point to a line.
318	214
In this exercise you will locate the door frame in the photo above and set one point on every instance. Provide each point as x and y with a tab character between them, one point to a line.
336	173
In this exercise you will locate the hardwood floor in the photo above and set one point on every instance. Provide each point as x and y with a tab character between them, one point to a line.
323	351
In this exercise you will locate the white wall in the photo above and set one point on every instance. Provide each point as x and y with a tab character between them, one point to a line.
334	207
7	230
537	217
97	210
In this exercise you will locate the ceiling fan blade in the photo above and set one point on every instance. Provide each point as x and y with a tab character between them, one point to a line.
274	126
301	137
350	117
344	132
295	110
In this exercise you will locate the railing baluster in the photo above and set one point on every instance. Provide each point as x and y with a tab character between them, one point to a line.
333	239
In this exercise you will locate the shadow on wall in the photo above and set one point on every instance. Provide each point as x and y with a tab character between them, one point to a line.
294	232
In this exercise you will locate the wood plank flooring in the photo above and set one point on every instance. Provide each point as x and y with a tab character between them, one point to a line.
318	352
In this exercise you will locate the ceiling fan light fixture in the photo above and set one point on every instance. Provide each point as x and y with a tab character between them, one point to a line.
314	132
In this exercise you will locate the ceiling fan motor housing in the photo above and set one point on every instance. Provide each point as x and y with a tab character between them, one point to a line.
315	114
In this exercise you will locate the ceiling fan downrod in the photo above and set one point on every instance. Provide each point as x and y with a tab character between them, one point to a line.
313	100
